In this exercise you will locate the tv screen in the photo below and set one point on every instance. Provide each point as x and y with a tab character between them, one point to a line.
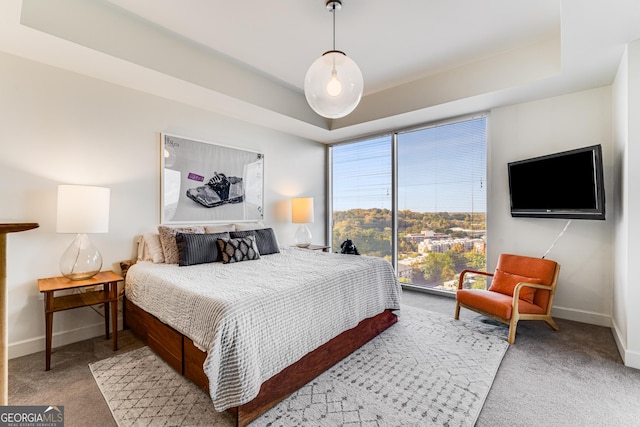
561	185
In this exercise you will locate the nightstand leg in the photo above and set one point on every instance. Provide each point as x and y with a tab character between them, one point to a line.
106	320
106	288
48	314
114	318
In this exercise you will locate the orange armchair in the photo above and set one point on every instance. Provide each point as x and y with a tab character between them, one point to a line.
522	289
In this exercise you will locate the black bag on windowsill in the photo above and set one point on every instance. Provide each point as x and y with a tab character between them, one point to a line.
349	248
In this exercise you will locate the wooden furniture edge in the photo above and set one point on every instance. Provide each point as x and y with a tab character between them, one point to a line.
275	389
5	228
15	227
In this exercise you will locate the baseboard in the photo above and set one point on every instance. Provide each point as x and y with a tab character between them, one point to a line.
37	344
581	316
630	358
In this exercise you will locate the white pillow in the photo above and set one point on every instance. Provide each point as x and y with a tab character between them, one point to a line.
245	226
153	246
219	228
141	248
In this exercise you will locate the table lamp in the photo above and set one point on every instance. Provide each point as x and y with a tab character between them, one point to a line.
302	213
82	209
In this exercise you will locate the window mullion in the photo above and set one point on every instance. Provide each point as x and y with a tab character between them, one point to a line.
394	201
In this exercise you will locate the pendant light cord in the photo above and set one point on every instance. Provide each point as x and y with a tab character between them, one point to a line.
333	12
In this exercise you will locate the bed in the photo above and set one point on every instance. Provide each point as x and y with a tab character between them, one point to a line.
250	333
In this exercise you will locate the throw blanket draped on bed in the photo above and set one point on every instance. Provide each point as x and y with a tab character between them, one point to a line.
255	318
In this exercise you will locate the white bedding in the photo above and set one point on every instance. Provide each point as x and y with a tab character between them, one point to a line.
254	318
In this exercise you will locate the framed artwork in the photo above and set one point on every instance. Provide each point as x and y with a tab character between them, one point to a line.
203	182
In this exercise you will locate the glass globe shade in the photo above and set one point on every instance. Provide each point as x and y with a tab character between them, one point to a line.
81	260
333	85
303	236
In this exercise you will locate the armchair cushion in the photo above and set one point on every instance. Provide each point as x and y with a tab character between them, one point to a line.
495	303
528	267
505	283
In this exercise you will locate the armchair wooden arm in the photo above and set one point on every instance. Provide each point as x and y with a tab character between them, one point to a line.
462	274
519	286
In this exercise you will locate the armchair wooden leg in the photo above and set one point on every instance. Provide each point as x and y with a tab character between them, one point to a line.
552	323
457	315
513	324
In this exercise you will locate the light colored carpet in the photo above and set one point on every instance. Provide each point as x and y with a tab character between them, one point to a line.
428	369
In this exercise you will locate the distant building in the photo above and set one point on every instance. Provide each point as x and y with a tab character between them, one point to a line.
477	233
419	237
405	270
441	246
424	235
480	245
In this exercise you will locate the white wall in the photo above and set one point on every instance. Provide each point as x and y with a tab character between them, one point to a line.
632	191
620	90
63	128
517	132
626	102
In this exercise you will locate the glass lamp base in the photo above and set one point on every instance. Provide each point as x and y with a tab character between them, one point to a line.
303	236
81	260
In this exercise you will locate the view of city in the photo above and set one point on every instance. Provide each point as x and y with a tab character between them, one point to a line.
432	248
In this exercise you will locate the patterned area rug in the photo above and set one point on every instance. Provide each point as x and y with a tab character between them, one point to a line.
427	369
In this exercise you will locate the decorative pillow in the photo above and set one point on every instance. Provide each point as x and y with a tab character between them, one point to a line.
143	252
150	248
245	226
219	228
240	249
125	265
168	240
198	248
265	239
505	283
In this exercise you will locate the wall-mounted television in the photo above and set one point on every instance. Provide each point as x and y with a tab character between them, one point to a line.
567	185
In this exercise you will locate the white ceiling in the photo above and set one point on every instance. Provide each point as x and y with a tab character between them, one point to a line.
422	60
393	42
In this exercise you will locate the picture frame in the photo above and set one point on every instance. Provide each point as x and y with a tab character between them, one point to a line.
204	182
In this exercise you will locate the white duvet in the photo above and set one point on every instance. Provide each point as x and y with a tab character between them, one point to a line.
254	318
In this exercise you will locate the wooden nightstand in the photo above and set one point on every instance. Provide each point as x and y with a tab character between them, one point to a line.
318	248
108	295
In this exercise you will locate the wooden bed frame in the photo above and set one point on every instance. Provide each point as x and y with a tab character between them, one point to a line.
181	353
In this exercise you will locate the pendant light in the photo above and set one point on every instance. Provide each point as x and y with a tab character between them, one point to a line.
333	84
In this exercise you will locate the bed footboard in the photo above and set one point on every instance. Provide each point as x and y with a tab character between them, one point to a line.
181	353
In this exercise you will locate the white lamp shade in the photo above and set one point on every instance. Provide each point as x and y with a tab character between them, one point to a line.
302	210
83	209
333	85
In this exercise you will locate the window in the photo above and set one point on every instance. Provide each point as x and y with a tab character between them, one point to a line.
361	196
440	194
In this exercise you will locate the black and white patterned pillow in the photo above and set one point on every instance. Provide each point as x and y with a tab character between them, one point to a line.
238	249
265	239
198	248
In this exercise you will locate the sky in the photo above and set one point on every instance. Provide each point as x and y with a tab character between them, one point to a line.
440	169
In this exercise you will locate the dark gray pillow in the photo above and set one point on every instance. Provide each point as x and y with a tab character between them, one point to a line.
240	249
198	248
265	239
